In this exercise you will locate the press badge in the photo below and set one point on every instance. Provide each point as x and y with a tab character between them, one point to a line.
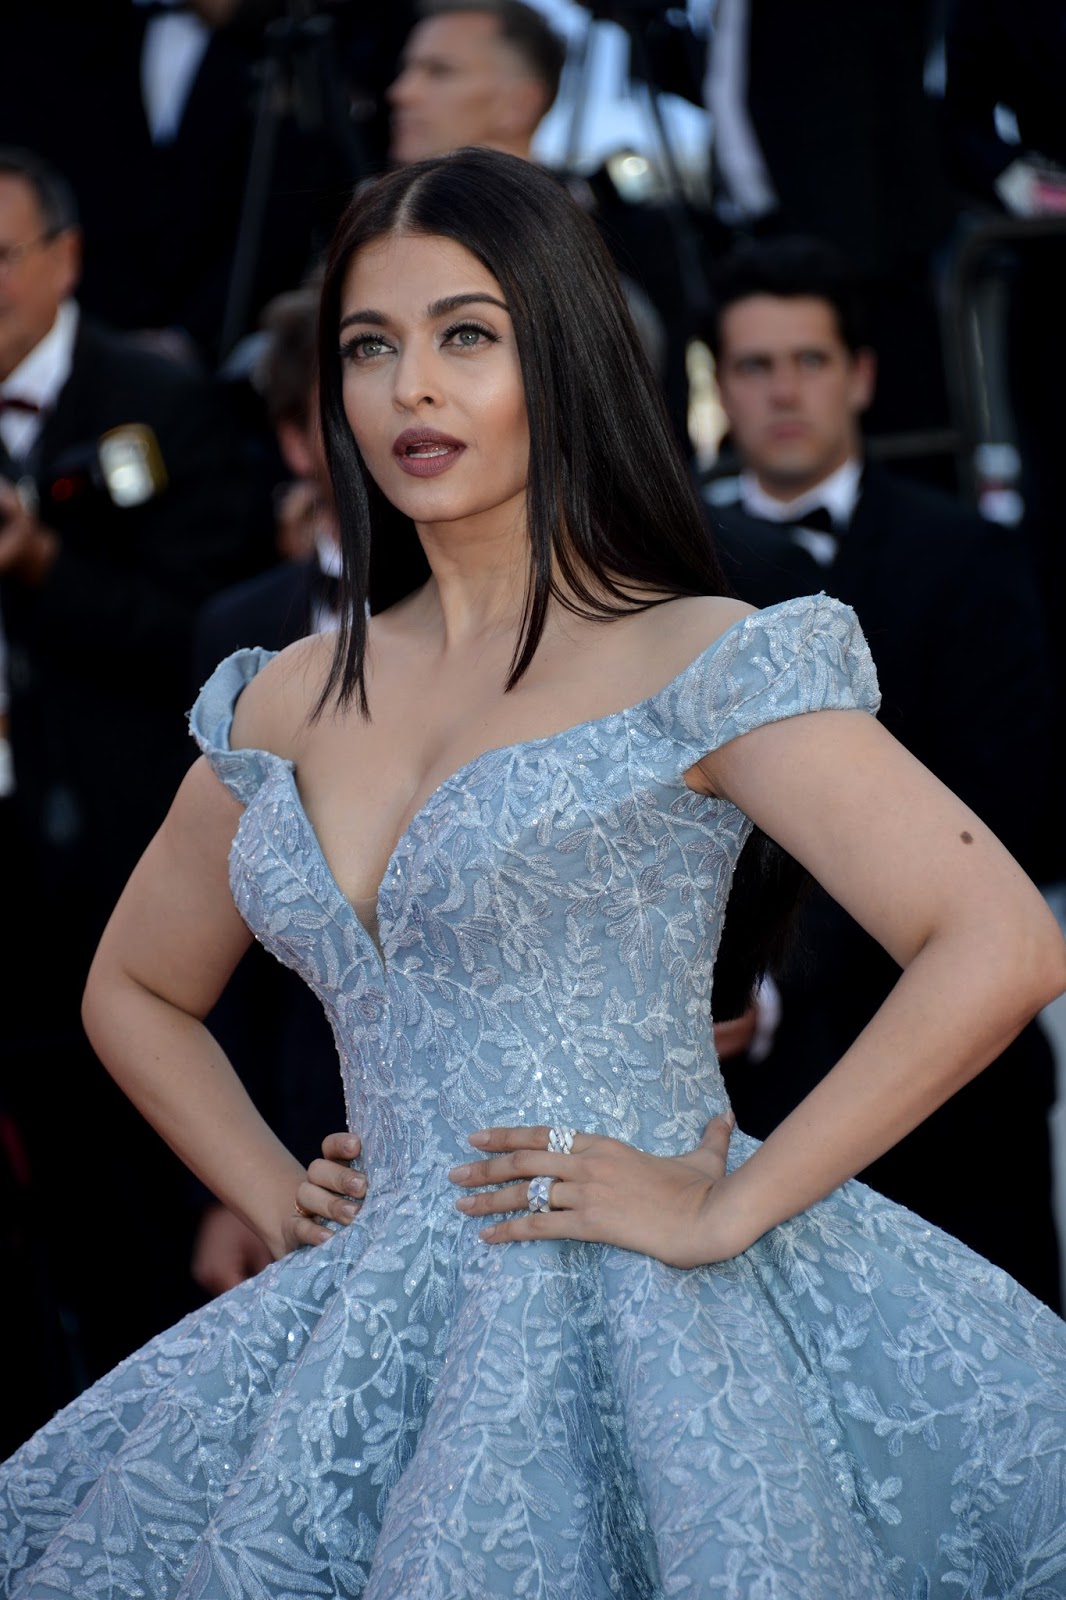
131	464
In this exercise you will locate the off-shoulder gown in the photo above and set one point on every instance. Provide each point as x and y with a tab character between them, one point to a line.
856	1407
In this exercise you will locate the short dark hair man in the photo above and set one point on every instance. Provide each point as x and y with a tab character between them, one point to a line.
794	370
473	72
949	606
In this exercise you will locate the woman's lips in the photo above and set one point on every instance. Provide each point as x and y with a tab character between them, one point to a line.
426	453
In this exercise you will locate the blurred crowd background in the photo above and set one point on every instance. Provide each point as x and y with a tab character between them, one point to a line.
841	229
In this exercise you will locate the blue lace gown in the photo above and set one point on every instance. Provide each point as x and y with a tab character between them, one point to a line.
857	1407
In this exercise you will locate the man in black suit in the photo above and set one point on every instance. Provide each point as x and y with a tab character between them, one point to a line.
949	606
124	502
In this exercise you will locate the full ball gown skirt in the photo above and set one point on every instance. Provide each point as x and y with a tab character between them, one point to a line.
856	1407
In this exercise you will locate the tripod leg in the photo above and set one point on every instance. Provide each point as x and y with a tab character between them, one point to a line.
693	276
578	71
270	110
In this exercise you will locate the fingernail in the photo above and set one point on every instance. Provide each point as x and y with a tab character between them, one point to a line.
465	1204
348	1211
730	1118
457	1174
488	1234
357	1185
351	1145
479	1139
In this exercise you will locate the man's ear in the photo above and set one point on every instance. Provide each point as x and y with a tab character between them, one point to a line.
520	107
296	450
864	377
67	247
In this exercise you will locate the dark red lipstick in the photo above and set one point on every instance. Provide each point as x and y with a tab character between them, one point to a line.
425	452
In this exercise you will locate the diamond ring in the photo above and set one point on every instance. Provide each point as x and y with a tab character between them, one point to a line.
561	1140
539	1194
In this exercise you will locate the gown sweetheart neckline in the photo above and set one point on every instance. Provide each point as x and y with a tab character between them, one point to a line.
467	767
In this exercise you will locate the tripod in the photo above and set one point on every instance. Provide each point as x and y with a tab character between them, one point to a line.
298	81
675	207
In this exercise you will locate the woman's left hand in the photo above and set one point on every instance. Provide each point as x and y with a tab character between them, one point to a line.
663	1206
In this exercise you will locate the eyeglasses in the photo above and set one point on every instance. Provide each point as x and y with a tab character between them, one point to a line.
12	254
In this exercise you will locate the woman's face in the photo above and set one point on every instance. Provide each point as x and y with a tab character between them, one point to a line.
432	382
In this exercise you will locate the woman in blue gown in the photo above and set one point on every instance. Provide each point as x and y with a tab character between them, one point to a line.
496	829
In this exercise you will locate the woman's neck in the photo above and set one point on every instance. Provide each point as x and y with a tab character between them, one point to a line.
479	576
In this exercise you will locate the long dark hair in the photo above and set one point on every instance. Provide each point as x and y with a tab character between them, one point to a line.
609	503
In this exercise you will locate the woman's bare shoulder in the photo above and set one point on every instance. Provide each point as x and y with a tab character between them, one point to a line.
678	631
702	617
273	712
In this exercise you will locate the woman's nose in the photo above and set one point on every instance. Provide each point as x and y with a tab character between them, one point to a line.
417	378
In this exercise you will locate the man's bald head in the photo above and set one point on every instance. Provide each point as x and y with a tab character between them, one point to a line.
480	72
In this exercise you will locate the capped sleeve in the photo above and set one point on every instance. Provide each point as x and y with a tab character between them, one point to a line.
211	719
802	655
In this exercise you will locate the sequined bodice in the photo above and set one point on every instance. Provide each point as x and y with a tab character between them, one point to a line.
549	918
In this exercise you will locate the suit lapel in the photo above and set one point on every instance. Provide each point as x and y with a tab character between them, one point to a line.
852	573
10	469
70	423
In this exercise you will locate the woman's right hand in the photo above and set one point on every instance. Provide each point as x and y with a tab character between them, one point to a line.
333	1189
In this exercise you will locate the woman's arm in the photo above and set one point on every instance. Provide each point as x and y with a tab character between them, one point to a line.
166	954
981	954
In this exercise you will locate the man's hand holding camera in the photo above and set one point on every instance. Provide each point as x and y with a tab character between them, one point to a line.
27	547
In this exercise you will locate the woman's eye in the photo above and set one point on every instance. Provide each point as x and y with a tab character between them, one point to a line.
468	335
363	347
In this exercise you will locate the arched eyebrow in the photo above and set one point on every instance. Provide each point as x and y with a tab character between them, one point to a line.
436	308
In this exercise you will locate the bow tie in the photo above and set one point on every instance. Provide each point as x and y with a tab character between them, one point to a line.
817	519
813	530
14	402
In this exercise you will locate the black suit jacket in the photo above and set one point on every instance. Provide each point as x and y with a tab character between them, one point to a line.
100	651
273	609
836	97
950	610
1011	53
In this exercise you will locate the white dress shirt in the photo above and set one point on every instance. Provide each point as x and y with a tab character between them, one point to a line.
171	56
327	552
39	379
